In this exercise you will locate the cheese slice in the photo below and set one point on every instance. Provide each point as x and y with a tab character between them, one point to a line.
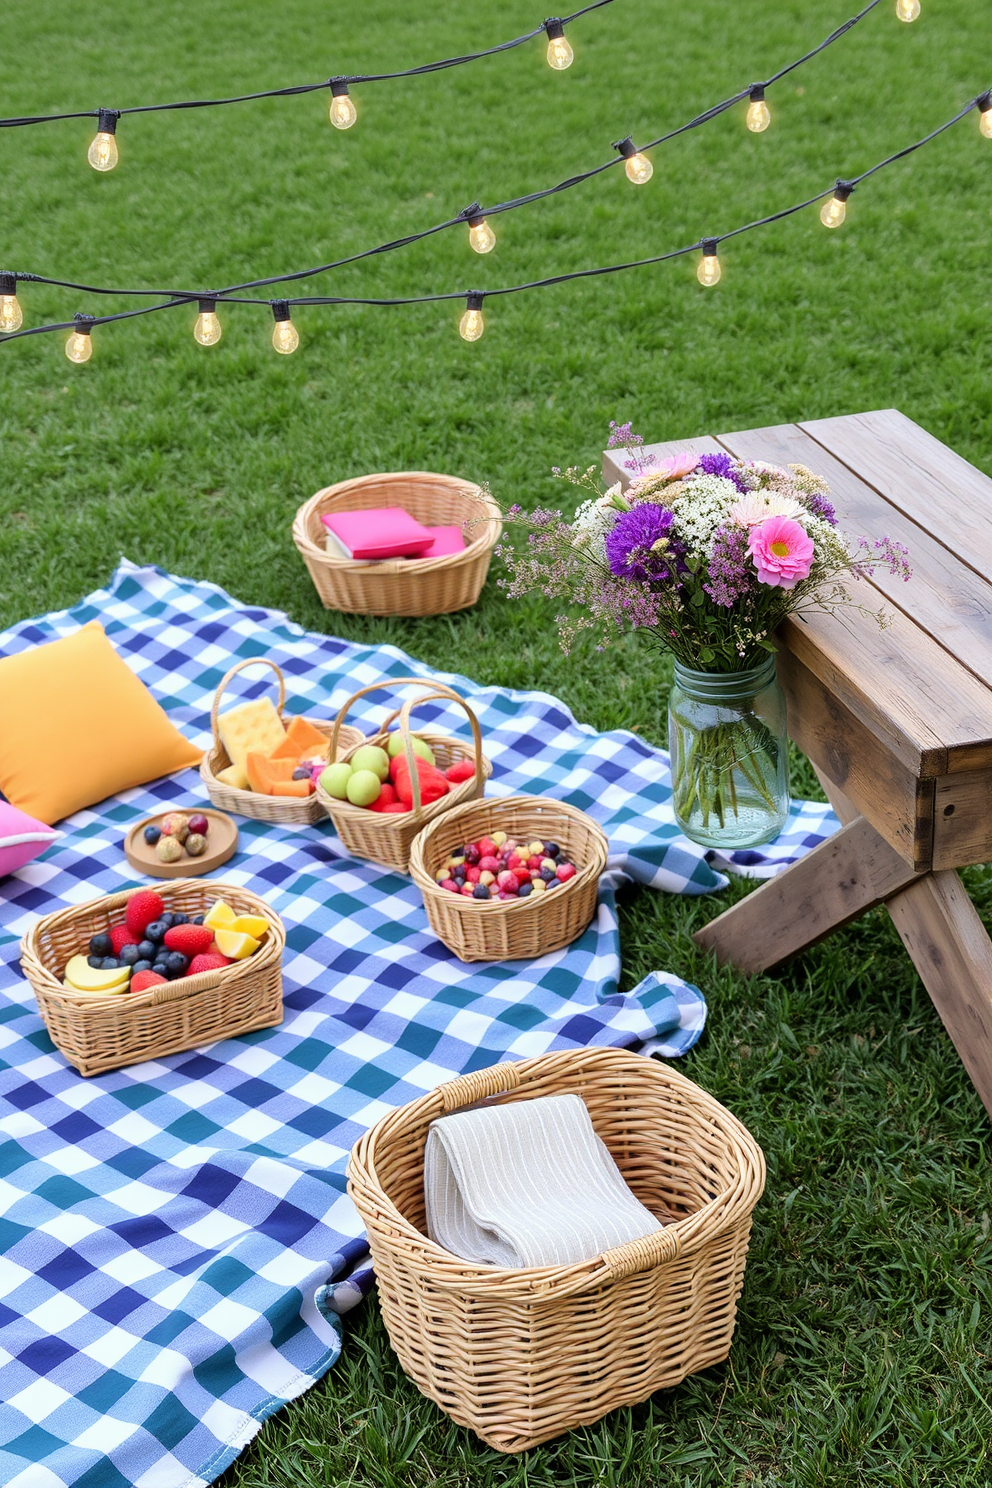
250	728
235	777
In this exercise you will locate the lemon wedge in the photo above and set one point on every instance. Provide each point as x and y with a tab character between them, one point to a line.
233	944
246	924
221	915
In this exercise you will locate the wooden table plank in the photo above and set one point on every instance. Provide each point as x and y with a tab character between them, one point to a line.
918	475
945	598
614	468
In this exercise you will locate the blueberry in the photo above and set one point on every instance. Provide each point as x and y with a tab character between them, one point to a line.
160	968
549	875
154	931
152	834
554	883
480	891
146	950
180	919
176	964
109	963
95	961
197	920
524	890
128	955
140	966
167	920
301	774
101	945
551	849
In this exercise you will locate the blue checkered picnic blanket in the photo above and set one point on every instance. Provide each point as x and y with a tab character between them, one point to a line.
176	1240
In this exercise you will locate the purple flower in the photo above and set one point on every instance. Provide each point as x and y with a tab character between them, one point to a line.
622	436
729	569
640	545
721	465
821	507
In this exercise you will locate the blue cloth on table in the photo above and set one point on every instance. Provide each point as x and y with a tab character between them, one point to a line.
176	1236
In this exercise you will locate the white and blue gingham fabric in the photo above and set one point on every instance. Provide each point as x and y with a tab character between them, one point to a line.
175	1240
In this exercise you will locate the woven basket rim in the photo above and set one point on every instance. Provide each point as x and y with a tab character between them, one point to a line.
428	885
322	500
332	805
688	1235
91	1006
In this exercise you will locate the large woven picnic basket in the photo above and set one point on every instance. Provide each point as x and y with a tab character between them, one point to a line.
387	839
104	1033
283	811
523	1355
402	586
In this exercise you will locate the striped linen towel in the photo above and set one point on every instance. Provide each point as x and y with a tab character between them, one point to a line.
528	1183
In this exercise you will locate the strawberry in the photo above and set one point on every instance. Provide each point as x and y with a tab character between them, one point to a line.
462	769
192	940
121	936
142	908
146	979
207	961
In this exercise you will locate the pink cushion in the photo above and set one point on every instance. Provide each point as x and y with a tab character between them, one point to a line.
21	838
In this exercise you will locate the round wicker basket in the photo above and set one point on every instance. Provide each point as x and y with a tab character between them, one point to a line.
103	1033
520	1356
402	586
511	929
285	812
387	839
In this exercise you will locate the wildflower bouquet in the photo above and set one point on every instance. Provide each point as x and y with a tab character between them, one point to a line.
706	555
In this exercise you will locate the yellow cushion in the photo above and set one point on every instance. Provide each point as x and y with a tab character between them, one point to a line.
76	726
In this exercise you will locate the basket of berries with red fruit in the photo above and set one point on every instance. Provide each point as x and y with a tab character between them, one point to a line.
380	794
149	972
511	879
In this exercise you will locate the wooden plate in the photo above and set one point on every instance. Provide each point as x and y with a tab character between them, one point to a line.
222	843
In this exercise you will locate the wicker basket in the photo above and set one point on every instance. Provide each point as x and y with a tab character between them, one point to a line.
511	929
387	839
522	1355
404	586
284	811
97	1034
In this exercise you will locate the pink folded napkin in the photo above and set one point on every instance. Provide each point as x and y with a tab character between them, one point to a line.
381	532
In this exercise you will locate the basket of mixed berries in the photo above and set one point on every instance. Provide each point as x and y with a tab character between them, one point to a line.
511	879
150	972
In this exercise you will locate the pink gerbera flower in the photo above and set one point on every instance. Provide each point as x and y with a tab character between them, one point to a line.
782	552
677	466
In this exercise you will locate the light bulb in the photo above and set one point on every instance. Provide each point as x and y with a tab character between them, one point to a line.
560	54
481	236
833	212
907	10
11	315
207	328
343	110
285	336
472	325
79	346
102	153
708	268
758	117
639	168
985	115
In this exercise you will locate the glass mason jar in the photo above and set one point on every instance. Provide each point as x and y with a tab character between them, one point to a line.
730	755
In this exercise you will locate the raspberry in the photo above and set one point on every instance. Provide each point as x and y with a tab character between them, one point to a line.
207	961
146	979
120	936
142	908
192	940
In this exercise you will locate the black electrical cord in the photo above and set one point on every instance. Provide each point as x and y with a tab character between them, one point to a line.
711	243
357	77
475	210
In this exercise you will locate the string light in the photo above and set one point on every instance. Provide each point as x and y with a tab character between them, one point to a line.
638	167
343	110
79	346
758	117
472	325
11	315
834	209
285	336
102	153
708	268
985	114
907	10
207	328
560	54
480	235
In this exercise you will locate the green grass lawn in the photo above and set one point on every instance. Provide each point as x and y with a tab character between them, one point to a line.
862	1354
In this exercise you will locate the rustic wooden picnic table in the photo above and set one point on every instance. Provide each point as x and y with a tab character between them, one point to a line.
897	721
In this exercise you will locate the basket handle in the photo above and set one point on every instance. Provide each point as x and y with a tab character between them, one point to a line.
173	991
475	1086
435	690
250	661
637	1255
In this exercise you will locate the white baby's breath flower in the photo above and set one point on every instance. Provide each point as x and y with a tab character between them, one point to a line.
700	507
594	519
